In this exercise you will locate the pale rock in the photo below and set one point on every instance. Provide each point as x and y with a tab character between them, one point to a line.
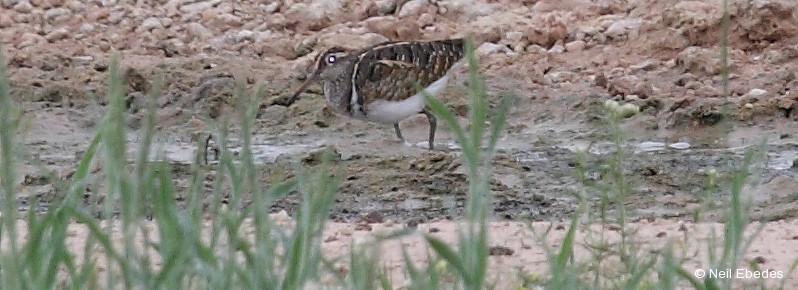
166	22
52	14
23	7
57	34
545	30
21	18
208	16
371	38
485	30
557	48
696	59
586	32
621	28
358	30
198	7
9	3
544	6
29	39
5	20
314	15
631	98
269	8
229	19
692	15
680	145
347	231
646	65
412	7
116	17
520	47
281	217
23	44
604	22
669	64
251	25
76	6
408	33
577	45
643	89
392	27
425	20
149	24
492	48
86	28
514	36
245	35
274	114
385	6
305	45
430	29
468	10
649	146
197	30
82	59
95	14
534	48
226	7
561	77
756	93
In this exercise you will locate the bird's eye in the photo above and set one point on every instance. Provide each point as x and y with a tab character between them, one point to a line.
331	59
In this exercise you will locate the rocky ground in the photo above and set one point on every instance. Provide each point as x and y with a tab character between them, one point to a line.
561	60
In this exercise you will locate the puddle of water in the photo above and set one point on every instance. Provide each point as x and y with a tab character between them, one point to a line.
262	153
415	204
680	145
265	153
449	146
410	204
782	160
538	156
57	158
649	146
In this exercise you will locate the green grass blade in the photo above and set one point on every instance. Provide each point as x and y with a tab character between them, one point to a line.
447	254
499	122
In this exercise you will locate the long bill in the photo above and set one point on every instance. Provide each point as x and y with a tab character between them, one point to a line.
303	87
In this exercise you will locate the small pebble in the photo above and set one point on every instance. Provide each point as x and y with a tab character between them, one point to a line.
680	145
756	92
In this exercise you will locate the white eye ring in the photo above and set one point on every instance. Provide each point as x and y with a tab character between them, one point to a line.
331	59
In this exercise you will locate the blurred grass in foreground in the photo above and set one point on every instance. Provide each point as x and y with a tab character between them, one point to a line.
205	248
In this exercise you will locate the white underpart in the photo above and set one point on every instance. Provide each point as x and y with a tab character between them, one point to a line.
389	112
355	98
353	101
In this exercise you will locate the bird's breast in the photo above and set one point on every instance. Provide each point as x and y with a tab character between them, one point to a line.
337	97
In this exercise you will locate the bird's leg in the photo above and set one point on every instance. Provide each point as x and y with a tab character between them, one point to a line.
433	124
205	148
398	132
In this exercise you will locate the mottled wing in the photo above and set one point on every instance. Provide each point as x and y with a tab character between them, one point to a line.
391	71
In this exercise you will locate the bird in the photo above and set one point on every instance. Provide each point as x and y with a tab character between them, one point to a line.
382	83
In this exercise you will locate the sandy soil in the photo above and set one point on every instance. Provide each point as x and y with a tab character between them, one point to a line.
561	60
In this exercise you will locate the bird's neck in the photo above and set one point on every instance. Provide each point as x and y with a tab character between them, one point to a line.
338	93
